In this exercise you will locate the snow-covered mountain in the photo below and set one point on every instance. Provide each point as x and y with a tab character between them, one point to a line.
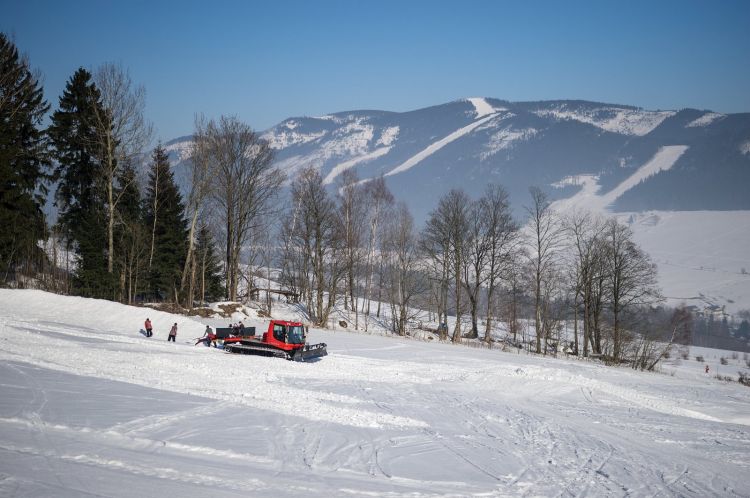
612	158
466	143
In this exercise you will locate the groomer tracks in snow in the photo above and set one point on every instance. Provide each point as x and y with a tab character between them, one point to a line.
89	406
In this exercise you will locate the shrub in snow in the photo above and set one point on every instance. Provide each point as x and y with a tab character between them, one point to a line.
700	359
724	361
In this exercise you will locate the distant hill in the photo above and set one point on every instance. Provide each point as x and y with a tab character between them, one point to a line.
467	143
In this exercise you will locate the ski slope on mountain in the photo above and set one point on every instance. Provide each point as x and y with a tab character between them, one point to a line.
341	167
436	146
90	407
588	197
702	256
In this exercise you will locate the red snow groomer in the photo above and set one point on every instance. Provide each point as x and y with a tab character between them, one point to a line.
282	339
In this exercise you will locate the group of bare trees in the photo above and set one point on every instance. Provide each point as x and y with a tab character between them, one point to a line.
612	276
469	247
231	185
334	245
471	259
591	266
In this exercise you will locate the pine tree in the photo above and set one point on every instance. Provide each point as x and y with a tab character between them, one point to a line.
79	193
165	217
130	235
208	267
23	163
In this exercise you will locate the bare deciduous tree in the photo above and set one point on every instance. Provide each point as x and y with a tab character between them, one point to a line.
353	213
544	243
631	277
502	238
379	199
585	232
448	228
315	244
122	132
244	184
199	187
402	279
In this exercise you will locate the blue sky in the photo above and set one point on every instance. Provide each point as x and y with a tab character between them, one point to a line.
266	61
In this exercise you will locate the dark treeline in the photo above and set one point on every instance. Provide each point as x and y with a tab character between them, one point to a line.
121	233
125	232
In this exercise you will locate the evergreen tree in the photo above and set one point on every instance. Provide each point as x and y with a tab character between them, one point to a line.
208	267
165	217
23	164
130	235
79	193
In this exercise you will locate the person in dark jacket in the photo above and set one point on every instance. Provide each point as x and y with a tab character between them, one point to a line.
172	333
148	327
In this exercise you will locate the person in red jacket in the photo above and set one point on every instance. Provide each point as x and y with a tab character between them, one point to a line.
149	328
173	333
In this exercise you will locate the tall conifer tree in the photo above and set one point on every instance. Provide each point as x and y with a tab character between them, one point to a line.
79	193
23	163
165	217
130	235
208	267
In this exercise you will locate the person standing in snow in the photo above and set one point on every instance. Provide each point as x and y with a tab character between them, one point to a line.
206	339
148	327
707	369
172	333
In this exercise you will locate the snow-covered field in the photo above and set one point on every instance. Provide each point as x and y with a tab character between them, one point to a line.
90	407
702	256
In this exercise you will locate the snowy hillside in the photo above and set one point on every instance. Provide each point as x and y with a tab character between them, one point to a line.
691	167
702	256
466	143
90	407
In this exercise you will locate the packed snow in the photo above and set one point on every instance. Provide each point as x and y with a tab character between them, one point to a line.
613	119
91	407
341	167
182	150
709	263
482	108
663	160
705	120
706	264
436	146
281	139
506	138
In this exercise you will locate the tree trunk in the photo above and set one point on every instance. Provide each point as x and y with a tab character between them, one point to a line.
488	329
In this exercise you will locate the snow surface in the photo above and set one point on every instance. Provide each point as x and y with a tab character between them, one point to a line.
589	198
705	120
505	139
663	160
708	263
90	407
482	107
388	135
341	167
703	264
350	141
436	146
614	119
183	150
